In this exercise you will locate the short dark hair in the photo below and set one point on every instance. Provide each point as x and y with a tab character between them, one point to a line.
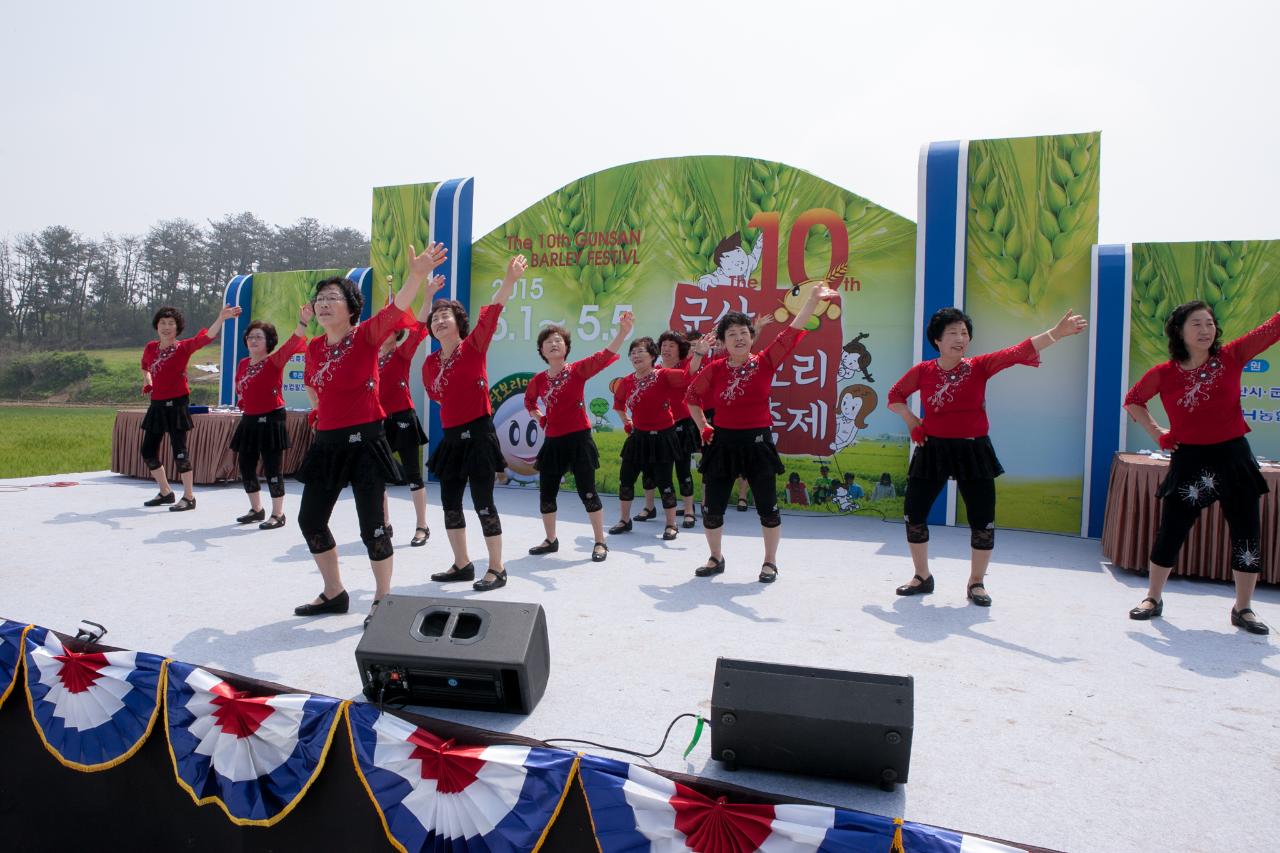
267	329
173	314
1178	319
886	479
681	342
733	318
727	245
454	307
647	345
350	291
550	330
942	318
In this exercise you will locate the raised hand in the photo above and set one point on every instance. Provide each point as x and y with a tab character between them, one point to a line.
228	311
431	257
434	286
1070	324
305	312
516	267
703	345
822	293
626	322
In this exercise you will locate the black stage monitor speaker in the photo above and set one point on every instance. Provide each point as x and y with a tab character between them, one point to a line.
822	722
458	654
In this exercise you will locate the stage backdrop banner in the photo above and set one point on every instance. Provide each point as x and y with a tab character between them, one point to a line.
680	242
1241	280
277	296
1031	221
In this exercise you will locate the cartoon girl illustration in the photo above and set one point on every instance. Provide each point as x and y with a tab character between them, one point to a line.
855	404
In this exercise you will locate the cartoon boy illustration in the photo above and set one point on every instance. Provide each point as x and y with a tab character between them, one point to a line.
855	358
733	265
856	404
845	501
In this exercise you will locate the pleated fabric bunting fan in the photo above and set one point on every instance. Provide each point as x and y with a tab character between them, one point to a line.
255	756
435	795
93	710
10	654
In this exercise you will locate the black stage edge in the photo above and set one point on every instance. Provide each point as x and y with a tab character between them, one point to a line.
45	806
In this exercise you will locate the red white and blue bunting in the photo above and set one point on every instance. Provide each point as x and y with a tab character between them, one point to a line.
255	756
434	795
635	810
10	654
93	710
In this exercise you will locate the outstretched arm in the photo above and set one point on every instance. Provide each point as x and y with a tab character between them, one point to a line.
626	322
1070	324
420	268
515	268
821	293
227	312
429	292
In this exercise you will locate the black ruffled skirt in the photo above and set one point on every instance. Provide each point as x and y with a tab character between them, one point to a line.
567	452
471	448
168	415
354	454
261	433
644	446
1203	473
735	453
404	432
955	459
689	437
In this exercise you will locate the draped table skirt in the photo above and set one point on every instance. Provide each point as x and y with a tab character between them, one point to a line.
1133	514
208	443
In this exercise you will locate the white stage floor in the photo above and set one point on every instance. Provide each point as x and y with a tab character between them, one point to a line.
1050	719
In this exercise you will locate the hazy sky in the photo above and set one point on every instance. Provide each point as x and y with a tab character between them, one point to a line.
123	113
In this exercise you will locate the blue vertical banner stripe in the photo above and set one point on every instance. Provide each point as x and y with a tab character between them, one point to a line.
940	257
239	291
363	277
451	225
1107	376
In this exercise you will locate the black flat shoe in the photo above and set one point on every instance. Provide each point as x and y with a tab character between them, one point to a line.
251	516
923	588
620	527
670	532
979	598
742	504
484	584
420	537
768	573
466	573
548	546
1253	626
338	604
689	522
161	499
647	514
275	522
183	505
1142	614
599	552
716	567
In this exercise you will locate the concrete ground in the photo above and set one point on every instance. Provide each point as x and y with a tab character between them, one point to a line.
1049	719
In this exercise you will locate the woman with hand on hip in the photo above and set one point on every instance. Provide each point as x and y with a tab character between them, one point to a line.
567	445
952	440
740	444
456	376
1211	459
350	447
261	432
164	378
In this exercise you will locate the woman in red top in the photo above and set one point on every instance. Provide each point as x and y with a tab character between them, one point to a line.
456	377
262	431
673	349
952	440
350	448
740	444
567	446
643	399
1212	461
164	378
402	426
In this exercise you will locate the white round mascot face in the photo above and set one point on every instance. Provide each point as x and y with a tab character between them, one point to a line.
519	435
